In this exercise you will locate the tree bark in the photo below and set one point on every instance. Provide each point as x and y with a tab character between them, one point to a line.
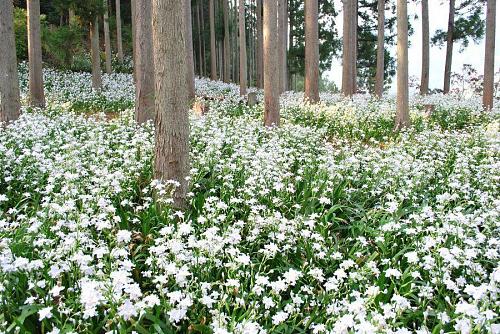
227	42
379	76
119	43
36	96
144	67
133	5
424	80
243	48
189	51
489	55
402	104
171	105
312	51
348	53
271	70
9	81
96	58
259	48
107	38
282	43
213	51
200	49
354	43
449	48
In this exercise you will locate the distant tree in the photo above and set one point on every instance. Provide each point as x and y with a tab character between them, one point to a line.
312	52
189	51
259	55
243	48
119	42
271	63
349	47
424	81
379	76
489	55
107	38
402	103
213	52
36	93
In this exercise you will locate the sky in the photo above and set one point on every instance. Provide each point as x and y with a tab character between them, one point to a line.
438	19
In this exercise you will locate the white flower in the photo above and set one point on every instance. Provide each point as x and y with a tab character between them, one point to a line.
123	236
177	314
45	313
280	317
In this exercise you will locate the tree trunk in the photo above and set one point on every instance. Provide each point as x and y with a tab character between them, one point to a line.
133	5
424	81
379	76
489	55
243	48
9	81
119	43
36	96
96	58
71	17
172	123
354	43
213	51
403	113
203	64
259	48
227	42
282	43
144	67
449	48
312	52
271	63
200	49
107	39
189	51
347	49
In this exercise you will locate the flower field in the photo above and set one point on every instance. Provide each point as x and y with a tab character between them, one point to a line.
331	223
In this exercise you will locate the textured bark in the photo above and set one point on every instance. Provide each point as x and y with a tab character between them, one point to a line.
213	51
94	50
348	48
189	50
449	48
243	48
200	49
227	42
171	105
107	39
133	5
144	66
402	104
9	81
36	96
354	43
379	76
489	55
312	51
271	70
119	43
424	80
282	43
260	45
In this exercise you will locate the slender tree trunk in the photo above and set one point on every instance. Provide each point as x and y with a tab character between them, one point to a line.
119	43
449	48
107	39
200	49
347	49
259	48
354	43
9	81
213	51
144	67
133	6
71	17
172	123
203	64
271	66
282	41
227	42
424	81
96	58
403	113
36	97
379	77
489	55
312	52
243	49
189	50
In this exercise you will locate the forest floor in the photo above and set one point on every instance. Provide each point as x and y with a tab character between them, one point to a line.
331	223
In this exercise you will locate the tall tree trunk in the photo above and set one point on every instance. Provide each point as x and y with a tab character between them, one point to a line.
144	66
203	63
271	66
312	52
282	43
95	54
172	123
9	81
424	80
133	6
189	50
36	97
107	38
119	43
243	49
347	49
227	42
213	51
200	49
449	48
259	48
379	76
354	43
489	55
403	113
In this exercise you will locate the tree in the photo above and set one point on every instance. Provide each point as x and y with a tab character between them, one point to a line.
424	81
172	123
449	47
243	48
36	93
282	43
379	77
144	63
213	52
107	39
349	48
259	53
95	54
189	50
271	71
489	55
227	47
119	43
9	81
312	52
402	103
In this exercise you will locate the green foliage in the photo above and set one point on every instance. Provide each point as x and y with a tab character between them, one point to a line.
61	43
21	33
